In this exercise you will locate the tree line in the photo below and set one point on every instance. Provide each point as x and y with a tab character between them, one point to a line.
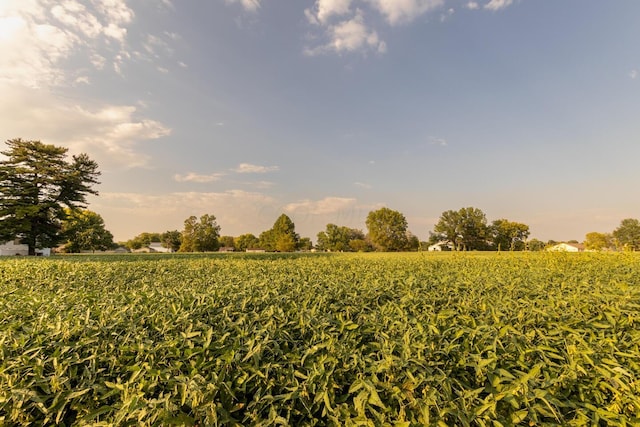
43	204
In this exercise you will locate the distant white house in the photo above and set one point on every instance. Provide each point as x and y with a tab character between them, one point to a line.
15	248
441	246
567	247
158	248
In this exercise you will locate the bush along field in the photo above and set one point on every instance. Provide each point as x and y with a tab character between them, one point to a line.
344	340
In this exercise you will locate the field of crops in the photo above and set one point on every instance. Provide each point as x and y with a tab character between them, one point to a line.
371	340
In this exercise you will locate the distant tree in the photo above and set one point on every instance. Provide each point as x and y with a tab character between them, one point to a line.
267	240
507	235
337	238
466	228
305	244
413	243
282	232
598	241
535	245
37	183
143	240
387	230
360	245
84	230
172	240
200	236
246	241
285	243
627	234
227	242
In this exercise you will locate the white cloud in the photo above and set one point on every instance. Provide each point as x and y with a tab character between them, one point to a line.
402	11
438	141
199	178
498	4
249	168
325	9
362	185
350	36
446	15
633	74
472	5
248	5
236	211
328	205
38	39
109	133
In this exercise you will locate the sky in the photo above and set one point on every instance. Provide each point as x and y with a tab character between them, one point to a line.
328	109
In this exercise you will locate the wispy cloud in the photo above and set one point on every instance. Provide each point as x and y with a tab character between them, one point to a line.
438	141
348	36
199	178
472	5
249	168
362	185
325	9
400	12
248	5
498	4
136	212
37	41
633	74
328	205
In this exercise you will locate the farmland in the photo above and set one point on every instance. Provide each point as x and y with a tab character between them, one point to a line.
321	339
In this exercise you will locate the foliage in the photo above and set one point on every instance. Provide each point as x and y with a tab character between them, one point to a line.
200	236
466	228
387	229
37	183
338	238
598	241
280	236
305	244
227	242
507	235
172	240
246	241
143	240
84	230
341	339
627	234
535	245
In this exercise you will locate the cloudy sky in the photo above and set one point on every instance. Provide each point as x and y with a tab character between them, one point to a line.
327	109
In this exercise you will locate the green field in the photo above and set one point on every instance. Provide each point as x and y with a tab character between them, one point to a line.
340	339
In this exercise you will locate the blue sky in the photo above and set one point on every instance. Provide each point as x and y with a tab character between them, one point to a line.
328	109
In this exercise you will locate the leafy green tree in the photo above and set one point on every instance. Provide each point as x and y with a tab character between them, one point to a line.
200	235
37	183
172	240
387	230
360	245
627	234
337	238
466	228
598	241
535	245
507	235
273	238
305	244
246	241
413	243
227	242
143	240
84	230
285	243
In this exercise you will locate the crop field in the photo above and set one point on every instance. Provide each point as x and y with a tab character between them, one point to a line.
417	339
